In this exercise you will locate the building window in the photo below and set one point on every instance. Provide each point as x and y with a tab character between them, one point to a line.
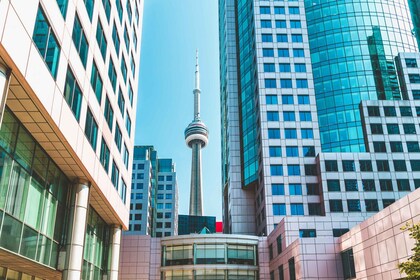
365	165
403	185
276	170
337	232
264	10
116	38
415	165
305	116
80	41
292	272
298	53
281	38
62	5
46	42
112	75
373	111
297	38
267	38
73	94
290	133
280	24
279	209
91	129
399	165
294	10
126	156
270	83
118	137
405	111
96	82
271	99
270	255
287	99
371	205
295	189
411	62
387	202
279	10
89	7
331	166
115	174
126	39
295	23
269	67
265	23
347	260
382	165
311	170
413	147
368	185
296	209
121	101
336	206
119	9
273	133
289	116
414	78
283	53
104	155
308	151
390	111
393	128
268	52
353	205
312	189
409	128
307	233
386	185
379	147
376	128
108	113
351	185
314	209
128	124
279	245
274	151
333	185
300	68
348	166
292	151
100	38
416	94
396	146
285	68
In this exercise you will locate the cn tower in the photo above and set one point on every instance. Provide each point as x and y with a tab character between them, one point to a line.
196	137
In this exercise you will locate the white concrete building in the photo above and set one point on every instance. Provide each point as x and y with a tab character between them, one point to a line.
67	135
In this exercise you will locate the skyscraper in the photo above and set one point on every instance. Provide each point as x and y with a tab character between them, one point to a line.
304	85
68	84
196	137
154	194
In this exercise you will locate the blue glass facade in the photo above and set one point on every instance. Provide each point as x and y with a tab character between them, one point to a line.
353	45
247	88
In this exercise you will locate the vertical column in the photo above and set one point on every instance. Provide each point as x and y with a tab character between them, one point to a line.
115	253
4	88
73	269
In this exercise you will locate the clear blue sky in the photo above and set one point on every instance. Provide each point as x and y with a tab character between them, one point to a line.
172	31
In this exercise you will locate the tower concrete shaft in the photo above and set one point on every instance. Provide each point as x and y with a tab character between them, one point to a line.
196	137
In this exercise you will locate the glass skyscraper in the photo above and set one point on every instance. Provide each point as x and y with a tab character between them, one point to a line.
303	87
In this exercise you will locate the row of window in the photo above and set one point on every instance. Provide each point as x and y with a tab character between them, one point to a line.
295	189
408	128
266	10
284	67
286	99
283	52
293	170
289	116
366	165
286	83
164	205
164	196
369	185
291	151
396	147
282	38
290	133
293	24
390	111
411	62
163	225
353	205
